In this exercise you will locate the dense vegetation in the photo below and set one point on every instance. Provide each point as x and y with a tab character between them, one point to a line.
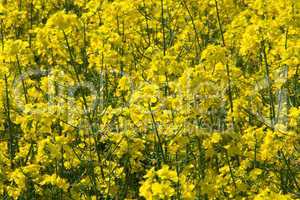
150	99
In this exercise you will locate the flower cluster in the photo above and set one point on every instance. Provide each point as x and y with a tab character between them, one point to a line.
140	99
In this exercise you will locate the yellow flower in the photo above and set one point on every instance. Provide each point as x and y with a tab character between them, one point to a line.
215	138
166	173
55	180
62	20
156	189
145	190
19	178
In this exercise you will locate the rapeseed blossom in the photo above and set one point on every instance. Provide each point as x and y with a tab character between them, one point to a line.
160	99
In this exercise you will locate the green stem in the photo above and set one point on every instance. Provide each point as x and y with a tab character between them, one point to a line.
267	68
157	134
227	66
